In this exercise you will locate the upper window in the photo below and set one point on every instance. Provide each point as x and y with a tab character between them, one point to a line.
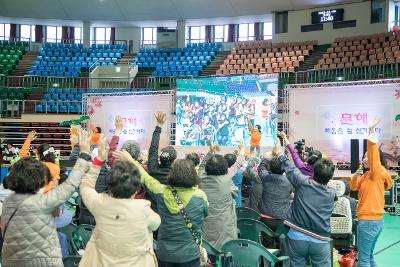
102	35
221	33
149	36
78	34
27	32
197	34
267	30
53	34
4	31
246	32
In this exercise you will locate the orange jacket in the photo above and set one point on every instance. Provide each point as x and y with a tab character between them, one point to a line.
255	136
371	185
54	168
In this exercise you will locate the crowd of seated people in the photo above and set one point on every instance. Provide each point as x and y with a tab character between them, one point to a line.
132	201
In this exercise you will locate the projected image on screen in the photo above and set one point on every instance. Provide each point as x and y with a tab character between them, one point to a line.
220	107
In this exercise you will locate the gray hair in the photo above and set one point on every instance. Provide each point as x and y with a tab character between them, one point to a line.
132	147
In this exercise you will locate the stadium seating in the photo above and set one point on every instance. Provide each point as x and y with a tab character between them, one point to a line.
67	60
361	51
10	55
263	56
189	61
68	100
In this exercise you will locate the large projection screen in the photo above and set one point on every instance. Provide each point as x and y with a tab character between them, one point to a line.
219	108
329	117
137	112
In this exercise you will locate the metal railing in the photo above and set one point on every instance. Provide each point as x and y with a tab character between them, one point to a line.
347	74
15	108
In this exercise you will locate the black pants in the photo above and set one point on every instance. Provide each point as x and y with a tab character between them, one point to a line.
273	224
194	263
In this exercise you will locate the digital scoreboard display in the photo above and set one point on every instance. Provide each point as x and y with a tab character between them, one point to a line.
324	16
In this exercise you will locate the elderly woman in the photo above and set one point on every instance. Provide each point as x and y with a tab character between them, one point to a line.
114	241
182	207
216	181
29	230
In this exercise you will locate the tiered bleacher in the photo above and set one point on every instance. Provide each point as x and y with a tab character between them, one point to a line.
369	50
68	100
265	57
189	61
10	54
67	60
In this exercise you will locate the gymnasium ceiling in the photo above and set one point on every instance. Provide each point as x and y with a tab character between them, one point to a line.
150	10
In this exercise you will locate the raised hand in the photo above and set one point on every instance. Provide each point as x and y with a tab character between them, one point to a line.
277	150
374	124
32	136
242	148
84	141
102	149
122	155
160	118
282	135
119	125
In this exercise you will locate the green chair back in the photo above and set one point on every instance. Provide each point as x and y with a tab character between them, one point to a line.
212	251
246	253
247	213
72	261
81	236
251	229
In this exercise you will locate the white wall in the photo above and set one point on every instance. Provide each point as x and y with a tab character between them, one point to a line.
129	33
356	11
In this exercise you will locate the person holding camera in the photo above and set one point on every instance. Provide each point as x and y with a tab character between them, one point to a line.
306	168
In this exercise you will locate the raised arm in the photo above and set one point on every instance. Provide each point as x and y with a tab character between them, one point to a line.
239	161
115	139
152	163
374	161
25	147
153	185
250	125
295	156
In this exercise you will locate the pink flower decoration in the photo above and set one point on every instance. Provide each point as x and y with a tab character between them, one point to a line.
397	93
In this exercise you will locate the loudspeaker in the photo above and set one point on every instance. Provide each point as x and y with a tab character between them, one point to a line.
365	145
354	155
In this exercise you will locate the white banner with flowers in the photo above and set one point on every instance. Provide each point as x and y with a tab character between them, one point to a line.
329	117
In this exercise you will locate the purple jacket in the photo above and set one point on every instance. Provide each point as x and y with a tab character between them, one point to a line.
304	168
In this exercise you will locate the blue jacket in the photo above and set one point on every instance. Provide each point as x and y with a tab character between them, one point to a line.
312	207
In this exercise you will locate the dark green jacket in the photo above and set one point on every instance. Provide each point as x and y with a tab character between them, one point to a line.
175	242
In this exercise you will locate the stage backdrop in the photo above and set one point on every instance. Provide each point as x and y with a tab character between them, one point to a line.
218	107
328	117
137	112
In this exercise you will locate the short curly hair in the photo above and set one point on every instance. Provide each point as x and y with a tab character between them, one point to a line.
167	156
217	165
133	148
49	157
27	176
183	174
231	158
123	180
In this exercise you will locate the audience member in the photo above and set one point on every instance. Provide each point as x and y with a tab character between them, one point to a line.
9	152
341	221
251	173
30	237
216	181
309	215
182	207
160	169
114	242
275	202
353	201
305	168
45	154
371	186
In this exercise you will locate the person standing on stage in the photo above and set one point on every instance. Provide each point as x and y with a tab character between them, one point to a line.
255	134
